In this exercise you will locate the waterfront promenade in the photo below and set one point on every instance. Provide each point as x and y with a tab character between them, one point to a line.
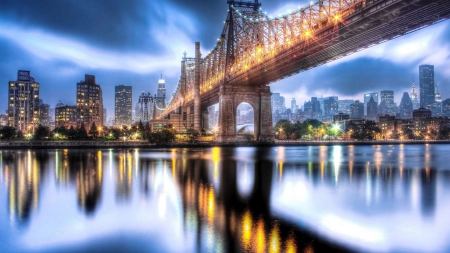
146	144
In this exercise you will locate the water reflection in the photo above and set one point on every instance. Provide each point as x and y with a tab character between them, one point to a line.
378	198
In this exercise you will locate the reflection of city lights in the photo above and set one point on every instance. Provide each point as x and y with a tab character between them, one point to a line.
211	204
291	245
100	166
246	230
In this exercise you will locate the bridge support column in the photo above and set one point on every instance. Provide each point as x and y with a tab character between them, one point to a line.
205	118
259	98
197	101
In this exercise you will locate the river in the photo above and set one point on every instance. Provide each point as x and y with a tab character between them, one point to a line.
378	198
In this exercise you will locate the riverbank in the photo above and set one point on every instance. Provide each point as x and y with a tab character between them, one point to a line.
144	144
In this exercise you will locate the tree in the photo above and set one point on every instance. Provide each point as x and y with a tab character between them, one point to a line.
20	135
141	130
7	133
284	129
41	132
93	131
192	134
81	132
71	133
61	131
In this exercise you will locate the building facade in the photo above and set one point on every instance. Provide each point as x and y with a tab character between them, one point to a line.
446	107
123	102
66	116
387	96
367	97
414	97
372	110
344	105
44	114
357	110
89	102
406	107
23	102
426	78
436	108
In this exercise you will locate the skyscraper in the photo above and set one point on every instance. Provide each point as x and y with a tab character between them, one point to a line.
278	103
367	97
293	105
387	96
446	107
357	110
344	105
123	113
330	108
23	104
406	107
436	108
414	98
372	109
89	102
160	97
426	78
44	112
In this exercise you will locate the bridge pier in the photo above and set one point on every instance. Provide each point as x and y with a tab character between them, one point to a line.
259	98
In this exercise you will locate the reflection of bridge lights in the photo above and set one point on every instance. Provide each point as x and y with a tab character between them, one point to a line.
260	236
275	244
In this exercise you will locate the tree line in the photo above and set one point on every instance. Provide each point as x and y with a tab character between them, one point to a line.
139	132
312	129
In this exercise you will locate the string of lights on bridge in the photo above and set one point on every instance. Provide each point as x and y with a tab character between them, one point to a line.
266	18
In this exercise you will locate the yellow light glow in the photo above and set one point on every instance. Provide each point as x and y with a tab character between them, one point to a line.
246	230
211	204
260	237
275	244
291	245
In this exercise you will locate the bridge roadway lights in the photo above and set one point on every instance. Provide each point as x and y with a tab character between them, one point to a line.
259	97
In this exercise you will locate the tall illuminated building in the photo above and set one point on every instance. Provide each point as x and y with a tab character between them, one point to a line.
426	78
387	96
160	97
372	109
436	108
123	111
367	97
23	102
357	110
414	97
406	107
293	105
89	102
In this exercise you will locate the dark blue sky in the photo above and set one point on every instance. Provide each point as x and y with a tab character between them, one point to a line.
132	42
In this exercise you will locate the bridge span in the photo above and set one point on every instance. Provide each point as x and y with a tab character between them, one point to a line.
255	50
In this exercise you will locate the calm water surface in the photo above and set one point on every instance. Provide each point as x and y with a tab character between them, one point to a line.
293	199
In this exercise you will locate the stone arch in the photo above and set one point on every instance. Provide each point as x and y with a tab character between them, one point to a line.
260	100
253	121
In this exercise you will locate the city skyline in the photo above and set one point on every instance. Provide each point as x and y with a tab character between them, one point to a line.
136	51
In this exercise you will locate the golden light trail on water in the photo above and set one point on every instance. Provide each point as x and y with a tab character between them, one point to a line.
260	237
275	241
246	230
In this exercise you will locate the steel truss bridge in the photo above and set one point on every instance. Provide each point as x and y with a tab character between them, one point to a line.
255	50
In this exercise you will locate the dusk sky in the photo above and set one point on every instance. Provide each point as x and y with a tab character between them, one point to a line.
133	42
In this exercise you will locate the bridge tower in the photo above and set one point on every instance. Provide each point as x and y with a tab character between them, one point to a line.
230	96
